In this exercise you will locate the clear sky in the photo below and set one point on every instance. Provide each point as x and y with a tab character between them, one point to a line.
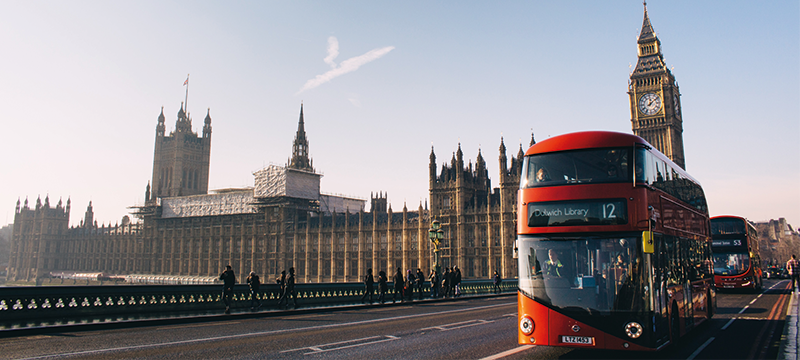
82	84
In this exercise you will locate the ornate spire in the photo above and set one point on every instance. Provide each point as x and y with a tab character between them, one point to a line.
533	140
647	29
161	127
207	124
650	57
183	124
300	159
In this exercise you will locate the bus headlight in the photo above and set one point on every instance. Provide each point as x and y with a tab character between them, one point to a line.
633	330
526	325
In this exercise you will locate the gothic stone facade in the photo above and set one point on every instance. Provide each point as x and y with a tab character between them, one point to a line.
271	234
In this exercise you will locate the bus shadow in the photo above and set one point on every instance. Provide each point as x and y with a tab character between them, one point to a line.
736	310
726	346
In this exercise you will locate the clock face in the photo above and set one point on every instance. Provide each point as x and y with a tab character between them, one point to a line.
649	104
677	104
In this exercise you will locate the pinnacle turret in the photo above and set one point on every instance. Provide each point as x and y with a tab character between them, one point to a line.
300	159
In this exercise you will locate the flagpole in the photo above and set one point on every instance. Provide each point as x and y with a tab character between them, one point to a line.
187	97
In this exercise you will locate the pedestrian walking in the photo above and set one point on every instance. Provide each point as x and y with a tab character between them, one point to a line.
434	278
281	281
255	283
793	266
398	285
447	281
457	282
382	286
368	287
228	281
420	282
288	290
496	280
410	283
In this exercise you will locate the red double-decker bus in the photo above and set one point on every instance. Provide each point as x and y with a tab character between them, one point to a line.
614	245
737	263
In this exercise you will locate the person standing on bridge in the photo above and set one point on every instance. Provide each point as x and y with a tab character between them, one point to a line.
369	288
420	282
382	287
457	282
434	278
398	286
288	290
229	279
496	280
793	266
255	283
447	282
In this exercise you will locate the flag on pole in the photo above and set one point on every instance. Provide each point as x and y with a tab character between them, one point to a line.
187	80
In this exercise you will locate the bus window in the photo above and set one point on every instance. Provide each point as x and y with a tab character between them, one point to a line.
579	166
641	168
730	264
597	273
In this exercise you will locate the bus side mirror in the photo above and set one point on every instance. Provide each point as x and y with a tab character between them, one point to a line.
648	246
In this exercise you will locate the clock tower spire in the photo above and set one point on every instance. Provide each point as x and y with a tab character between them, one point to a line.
655	98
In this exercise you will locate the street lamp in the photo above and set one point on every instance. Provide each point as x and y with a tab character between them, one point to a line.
435	234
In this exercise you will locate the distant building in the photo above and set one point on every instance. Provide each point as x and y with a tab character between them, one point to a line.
283	221
181	159
655	98
778	241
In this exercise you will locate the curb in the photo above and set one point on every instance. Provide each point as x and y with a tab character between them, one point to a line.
791	331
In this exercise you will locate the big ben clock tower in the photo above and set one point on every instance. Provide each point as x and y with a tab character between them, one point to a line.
655	98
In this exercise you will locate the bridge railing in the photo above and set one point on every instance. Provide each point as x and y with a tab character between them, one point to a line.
86	302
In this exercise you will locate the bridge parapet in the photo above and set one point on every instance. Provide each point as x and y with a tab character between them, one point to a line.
65	304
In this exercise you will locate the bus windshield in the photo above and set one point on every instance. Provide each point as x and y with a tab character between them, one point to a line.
591	273
730	264
579	166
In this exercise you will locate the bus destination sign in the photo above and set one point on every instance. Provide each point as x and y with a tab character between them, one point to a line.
726	242
576	213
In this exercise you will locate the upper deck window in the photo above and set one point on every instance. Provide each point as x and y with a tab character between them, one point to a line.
727	226
577	167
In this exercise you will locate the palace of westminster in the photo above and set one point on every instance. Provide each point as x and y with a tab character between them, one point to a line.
285	221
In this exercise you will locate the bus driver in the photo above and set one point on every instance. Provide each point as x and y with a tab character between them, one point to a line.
553	266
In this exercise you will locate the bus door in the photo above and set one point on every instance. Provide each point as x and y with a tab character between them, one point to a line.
660	275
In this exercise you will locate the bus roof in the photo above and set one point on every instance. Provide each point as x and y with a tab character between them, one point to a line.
598	139
585	140
736	217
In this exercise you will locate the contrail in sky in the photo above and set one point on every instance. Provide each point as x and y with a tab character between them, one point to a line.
349	65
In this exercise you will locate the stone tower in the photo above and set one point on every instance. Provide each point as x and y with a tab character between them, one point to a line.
181	160
655	99
37	240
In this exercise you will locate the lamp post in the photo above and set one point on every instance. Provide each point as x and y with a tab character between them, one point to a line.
435	234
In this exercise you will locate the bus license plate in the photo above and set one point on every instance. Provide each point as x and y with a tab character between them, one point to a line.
585	340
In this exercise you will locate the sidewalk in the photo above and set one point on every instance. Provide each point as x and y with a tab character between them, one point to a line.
791	330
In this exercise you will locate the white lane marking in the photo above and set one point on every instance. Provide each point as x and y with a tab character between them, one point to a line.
697	352
728	324
344	344
747	306
508	352
458	325
269	332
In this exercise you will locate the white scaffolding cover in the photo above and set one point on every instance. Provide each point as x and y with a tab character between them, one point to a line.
274	181
235	202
